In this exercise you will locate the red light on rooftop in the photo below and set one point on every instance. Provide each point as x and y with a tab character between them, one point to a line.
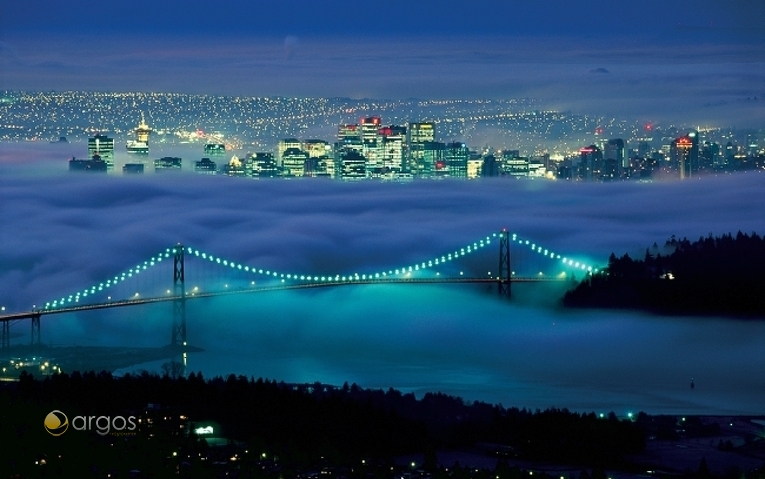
648	126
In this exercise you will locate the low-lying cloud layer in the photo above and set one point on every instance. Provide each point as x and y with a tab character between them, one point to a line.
61	232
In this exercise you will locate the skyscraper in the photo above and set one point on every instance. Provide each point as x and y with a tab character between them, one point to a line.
262	165
456	157
391	148
417	135
167	164
352	166
590	163
206	166
681	156
283	146
694	159
293	162
490	167
369	129
616	163
103	146
432	158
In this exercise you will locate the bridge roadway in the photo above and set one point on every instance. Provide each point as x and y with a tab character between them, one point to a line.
260	289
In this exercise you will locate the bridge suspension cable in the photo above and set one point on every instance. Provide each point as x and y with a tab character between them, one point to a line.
468	249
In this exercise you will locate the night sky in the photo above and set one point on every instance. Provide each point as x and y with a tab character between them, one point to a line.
684	61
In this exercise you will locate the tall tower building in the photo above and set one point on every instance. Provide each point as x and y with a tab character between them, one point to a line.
681	152
102	146
418	134
615	161
317	148
293	162
283	146
348	131
456	157
590	163
140	144
391	147
369	128
352	166
694	156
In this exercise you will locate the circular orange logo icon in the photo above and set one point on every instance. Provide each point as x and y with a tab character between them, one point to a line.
56	423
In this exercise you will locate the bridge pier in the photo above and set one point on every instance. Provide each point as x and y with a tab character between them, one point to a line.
36	341
505	273
6	336
179	303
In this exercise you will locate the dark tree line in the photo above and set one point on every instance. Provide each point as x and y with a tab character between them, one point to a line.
714	275
297	423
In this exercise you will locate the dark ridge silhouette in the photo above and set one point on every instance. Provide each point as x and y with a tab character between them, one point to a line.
712	276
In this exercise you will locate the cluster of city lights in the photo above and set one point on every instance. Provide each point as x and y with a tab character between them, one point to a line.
404	271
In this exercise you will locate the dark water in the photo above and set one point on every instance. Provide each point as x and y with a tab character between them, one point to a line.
464	342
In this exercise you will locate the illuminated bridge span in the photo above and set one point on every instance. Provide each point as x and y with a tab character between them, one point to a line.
91	298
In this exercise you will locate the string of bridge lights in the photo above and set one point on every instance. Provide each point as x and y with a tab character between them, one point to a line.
390	273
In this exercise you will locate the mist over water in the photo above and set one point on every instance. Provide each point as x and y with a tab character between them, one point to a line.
62	232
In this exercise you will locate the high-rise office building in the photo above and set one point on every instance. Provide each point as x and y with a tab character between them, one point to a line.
681	154
709	156
369	129
140	144
417	134
615	163
262	165
214	150
590	163
235	167
352	166
474	165
283	146
391	147
694	136
348	131
293	162
489	167
432	158
515	165
132	169
317	148
206	166
103	146
92	165
455	161
167	164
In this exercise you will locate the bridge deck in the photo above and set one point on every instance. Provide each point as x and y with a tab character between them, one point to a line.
260	289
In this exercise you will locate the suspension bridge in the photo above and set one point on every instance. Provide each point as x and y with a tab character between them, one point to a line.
92	297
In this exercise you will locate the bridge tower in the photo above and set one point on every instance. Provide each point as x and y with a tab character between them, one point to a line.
179	303
503	278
